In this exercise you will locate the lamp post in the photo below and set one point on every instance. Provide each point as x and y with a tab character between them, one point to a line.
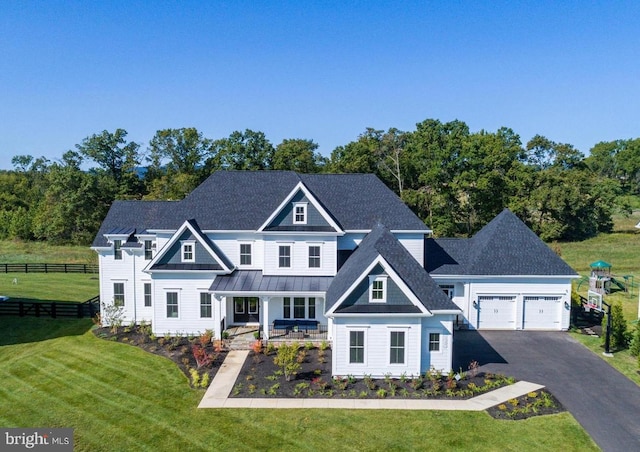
607	339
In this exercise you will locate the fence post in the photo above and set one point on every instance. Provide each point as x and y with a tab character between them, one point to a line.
21	308
79	308
37	309
53	309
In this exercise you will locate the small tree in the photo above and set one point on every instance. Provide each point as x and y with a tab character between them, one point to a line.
619	334
634	348
112	316
286	359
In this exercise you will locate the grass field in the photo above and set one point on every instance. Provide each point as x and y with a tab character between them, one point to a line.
59	287
19	252
55	373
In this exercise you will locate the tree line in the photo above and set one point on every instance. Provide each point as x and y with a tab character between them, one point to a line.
454	179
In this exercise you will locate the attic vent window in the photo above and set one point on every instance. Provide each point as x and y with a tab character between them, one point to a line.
300	213
188	252
377	289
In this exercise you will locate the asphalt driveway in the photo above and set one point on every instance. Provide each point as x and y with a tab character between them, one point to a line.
604	402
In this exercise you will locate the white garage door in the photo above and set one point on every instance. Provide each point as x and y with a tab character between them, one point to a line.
496	312
542	312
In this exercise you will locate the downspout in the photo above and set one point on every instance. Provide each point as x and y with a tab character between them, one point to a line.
135	301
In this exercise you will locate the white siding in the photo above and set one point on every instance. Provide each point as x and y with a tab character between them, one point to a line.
300	255
442	359
414	243
377	333
128	271
520	288
188	287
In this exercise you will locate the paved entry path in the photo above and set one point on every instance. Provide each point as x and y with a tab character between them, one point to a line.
217	396
603	401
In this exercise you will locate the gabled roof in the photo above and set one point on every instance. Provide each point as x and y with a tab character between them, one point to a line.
221	262
381	246
125	217
301	188
505	246
244	200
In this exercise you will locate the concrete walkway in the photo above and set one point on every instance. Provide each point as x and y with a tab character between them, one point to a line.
217	396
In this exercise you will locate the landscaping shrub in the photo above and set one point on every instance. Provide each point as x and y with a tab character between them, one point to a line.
619	334
286	359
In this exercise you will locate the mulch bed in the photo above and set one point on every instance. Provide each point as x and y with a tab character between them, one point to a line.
535	403
177	349
261	377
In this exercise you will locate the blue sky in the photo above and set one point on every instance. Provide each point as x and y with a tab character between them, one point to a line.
320	70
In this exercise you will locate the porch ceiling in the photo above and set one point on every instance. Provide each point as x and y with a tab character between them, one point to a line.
255	281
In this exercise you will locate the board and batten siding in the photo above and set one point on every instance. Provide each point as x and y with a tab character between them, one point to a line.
519	288
128	271
442	359
188	286
377	336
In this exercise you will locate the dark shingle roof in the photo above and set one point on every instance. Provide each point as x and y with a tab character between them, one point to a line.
381	242
244	200
124	217
505	246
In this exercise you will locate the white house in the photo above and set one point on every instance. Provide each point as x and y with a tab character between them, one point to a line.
325	256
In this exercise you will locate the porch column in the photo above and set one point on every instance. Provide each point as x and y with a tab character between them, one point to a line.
217	316
265	318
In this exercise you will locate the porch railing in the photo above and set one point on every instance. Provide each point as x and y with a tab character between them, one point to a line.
291	333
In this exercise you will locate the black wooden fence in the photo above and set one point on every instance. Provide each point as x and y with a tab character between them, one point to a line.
48	268
53	309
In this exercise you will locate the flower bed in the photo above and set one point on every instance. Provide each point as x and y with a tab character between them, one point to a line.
260	376
535	403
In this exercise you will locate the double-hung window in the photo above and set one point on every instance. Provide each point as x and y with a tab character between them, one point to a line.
117	250
377	289
147	294
172	305
245	254
188	252
356	347
118	294
300	213
298	308
286	304
434	342
148	250
284	256
205	304
314	256
396	347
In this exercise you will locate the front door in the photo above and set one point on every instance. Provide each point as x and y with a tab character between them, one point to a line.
246	310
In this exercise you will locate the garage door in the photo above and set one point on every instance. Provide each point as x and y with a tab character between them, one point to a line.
496	312
542	312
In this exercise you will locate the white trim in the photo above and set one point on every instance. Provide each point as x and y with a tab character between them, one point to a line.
245	242
399	329
174	238
290	246
183	245
319	256
394	277
300	187
372	280
303	213
177	292
464	279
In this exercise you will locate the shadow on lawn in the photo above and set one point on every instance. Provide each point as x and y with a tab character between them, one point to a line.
22	330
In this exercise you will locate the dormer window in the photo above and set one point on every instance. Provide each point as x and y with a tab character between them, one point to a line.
188	252
300	213
377	289
117	250
148	250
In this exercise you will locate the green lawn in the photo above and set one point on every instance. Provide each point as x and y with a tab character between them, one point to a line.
55	373
19	252
59	287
